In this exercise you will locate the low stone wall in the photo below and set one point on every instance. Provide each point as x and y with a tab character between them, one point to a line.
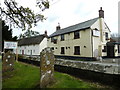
109	68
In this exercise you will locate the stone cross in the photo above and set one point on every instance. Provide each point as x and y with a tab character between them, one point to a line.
46	67
8	61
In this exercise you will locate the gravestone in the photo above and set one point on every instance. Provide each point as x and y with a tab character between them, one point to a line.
8	61
46	67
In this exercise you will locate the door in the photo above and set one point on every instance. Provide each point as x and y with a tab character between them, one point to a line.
110	50
22	52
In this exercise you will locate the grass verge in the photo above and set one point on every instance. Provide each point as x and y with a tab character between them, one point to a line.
24	76
28	76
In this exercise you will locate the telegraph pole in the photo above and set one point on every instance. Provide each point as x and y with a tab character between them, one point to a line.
0	54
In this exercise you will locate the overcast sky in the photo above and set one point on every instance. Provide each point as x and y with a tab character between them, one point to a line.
70	12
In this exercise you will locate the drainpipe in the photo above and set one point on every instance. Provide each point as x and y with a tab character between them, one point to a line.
92	41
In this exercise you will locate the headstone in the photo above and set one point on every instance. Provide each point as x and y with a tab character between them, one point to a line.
46	67
8	61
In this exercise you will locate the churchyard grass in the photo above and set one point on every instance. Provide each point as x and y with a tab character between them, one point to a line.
24	76
28	76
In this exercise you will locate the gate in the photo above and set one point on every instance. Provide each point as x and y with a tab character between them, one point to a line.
110	50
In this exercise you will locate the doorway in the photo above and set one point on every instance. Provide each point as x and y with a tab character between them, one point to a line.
110	50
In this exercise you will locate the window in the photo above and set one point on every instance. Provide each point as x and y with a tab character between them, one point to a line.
52	39
52	48
77	50
106	35
105	49
62	37
76	35
62	50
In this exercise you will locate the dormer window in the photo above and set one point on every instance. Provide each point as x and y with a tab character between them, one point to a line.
76	34
62	37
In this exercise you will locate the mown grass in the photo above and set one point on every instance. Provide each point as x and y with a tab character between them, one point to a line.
24	76
67	81
28	76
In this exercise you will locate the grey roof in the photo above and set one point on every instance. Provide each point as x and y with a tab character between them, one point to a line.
79	26
31	40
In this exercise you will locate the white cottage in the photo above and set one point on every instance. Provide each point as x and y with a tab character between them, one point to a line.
32	46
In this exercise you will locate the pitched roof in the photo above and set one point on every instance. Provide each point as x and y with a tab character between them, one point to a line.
31	40
79	26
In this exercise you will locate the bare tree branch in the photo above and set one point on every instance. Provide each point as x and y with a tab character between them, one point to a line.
23	17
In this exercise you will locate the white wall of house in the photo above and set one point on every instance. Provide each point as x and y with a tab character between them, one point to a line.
33	49
43	45
29	49
84	42
100	41
90	45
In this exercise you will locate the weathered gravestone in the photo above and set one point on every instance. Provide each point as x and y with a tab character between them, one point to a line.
8	61
46	67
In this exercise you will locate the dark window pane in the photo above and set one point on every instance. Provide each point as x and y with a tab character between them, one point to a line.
62	50
52	48
106	35
77	50
62	37
76	35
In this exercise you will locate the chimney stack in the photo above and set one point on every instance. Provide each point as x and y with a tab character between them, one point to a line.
58	27
46	32
101	13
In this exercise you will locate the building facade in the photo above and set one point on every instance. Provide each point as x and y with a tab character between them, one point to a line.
32	46
86	39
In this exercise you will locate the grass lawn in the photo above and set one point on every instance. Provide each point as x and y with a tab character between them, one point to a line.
28	76
24	76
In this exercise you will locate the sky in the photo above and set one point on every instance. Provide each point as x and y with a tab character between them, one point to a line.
70	12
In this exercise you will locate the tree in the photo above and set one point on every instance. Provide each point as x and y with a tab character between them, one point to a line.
29	33
113	35
23	17
7	34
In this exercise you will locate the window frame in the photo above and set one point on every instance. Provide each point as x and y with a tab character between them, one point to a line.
62	37
76	34
76	50
106	35
62	50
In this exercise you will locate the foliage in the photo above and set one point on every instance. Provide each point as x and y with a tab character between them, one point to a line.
7	34
20	16
29	33
115	35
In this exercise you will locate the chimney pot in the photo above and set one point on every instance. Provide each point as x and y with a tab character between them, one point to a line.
45	32
58	27
101	13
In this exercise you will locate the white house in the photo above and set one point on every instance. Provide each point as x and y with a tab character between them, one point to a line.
32	46
87	39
